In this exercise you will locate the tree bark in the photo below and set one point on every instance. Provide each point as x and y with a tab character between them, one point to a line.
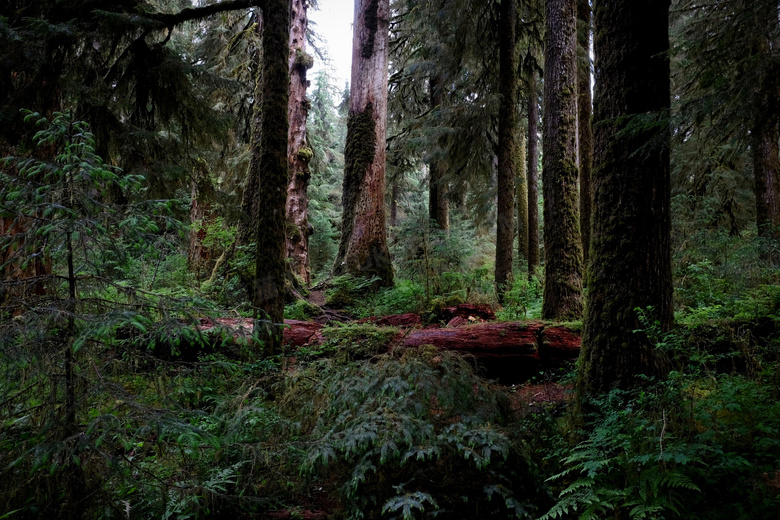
533	177
630	247
438	208
562	244
522	201
298	150
584	130
269	167
363	247
247	224
507	146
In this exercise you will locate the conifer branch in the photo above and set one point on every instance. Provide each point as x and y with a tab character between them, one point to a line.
198	13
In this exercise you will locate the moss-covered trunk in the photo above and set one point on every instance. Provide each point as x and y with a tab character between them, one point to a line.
269	167
562	244
533	174
363	246
584	130
521	192
630	263
438	207
298	150
764	131
508	86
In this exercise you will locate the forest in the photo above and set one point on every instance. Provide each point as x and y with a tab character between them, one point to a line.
524	264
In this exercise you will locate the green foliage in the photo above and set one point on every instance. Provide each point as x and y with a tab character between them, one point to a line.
351	341
344	290
523	300
416	434
301	310
693	445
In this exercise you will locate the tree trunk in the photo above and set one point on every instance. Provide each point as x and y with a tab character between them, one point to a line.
363	247
562	244
507	146
438	208
198	255
584	130
269	167
247	224
298	150
522	202
630	264
765	132
533	178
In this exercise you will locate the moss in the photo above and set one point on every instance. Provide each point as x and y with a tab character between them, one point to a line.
305	154
358	155
303	59
371	20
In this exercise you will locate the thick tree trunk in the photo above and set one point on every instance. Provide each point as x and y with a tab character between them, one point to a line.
630	264
363	247
522	201
533	177
765	132
766	169
584	130
438	208
269	167
562	243
299	152
507	146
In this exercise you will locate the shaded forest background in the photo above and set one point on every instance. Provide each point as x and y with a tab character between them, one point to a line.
135	242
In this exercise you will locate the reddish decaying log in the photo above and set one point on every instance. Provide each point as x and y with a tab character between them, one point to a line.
479	311
409	319
510	352
296	332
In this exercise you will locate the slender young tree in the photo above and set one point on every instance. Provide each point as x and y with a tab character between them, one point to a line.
509	85
630	255
532	172
584	130
522	201
298	150
269	167
363	247
438	207
562	244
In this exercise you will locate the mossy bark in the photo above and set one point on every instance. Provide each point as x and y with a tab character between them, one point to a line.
438	207
521	192
533	174
508	86
363	247
584	129
298	151
247	223
765	132
630	262
562	298
269	167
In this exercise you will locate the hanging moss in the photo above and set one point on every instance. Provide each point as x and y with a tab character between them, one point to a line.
371	21
358	155
303	59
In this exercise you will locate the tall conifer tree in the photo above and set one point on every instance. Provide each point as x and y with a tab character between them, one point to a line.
563	249
630	265
507	145
269	167
363	248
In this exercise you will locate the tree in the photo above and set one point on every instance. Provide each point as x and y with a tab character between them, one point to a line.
298	150
507	145
630	264
269	167
562	245
532	173
584	130
363	247
438	206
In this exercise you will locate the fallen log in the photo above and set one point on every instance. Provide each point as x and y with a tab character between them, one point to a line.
508	351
